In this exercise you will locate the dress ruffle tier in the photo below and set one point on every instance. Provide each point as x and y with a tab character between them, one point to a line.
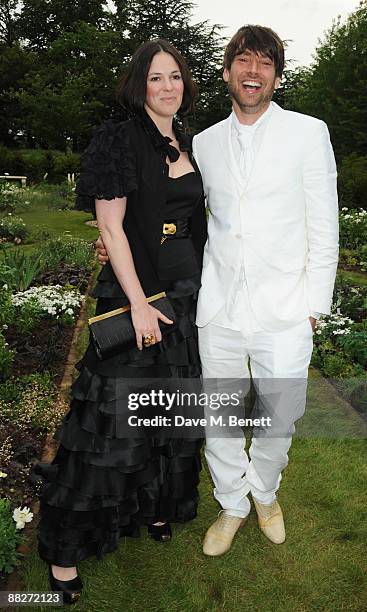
101	485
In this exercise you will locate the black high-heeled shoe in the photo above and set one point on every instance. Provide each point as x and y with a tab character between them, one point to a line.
160	533
71	589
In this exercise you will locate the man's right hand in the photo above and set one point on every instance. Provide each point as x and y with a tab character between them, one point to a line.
101	251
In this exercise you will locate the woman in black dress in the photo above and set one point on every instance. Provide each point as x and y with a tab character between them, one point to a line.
139	175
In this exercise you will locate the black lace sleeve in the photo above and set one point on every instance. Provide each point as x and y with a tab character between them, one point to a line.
108	166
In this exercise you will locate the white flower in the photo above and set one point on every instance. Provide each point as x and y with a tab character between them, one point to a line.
5	286
22	516
344	208
3	475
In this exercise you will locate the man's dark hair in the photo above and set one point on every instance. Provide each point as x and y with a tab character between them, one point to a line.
260	40
132	88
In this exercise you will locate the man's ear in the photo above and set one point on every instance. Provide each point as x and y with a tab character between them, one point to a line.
277	82
225	75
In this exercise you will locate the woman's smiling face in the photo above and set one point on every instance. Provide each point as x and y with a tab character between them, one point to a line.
165	87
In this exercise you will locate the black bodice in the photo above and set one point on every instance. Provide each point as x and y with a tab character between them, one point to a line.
177	256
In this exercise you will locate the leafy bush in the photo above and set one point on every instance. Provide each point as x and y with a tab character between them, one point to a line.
350	299
337	365
353	228
352	181
64	164
31	401
10	538
68	250
18	270
354	346
334	354
61	197
11	197
13	228
35	164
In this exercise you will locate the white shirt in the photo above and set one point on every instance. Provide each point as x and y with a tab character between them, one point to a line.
251	137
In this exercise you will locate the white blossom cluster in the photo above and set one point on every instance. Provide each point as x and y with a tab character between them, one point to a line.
354	216
336	324
6	221
55	300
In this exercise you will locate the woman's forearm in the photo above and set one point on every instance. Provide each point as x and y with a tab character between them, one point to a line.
119	252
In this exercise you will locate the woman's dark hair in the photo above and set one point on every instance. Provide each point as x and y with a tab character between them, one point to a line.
259	40
132	88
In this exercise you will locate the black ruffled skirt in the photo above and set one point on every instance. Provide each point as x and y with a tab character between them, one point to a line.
103	485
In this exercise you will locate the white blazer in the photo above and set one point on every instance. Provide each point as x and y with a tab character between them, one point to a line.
282	225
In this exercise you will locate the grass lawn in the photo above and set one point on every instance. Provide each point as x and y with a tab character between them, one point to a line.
356	278
39	217
321	566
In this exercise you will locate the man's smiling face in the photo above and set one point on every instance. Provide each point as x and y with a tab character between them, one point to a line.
251	81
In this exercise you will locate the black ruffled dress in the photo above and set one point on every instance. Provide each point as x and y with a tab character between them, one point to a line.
103	485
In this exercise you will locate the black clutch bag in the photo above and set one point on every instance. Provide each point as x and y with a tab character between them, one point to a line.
113	332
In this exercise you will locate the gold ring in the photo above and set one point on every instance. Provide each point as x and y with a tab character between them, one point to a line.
149	339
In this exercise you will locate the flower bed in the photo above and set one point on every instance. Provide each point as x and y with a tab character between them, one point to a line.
36	329
340	344
353	239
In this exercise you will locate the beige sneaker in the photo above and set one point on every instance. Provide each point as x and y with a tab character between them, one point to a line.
218	539
271	521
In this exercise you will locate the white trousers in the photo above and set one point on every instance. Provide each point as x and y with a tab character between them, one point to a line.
272	356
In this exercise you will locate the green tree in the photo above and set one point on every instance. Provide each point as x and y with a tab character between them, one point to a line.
43	21
201	44
334	87
71	88
9	15
15	62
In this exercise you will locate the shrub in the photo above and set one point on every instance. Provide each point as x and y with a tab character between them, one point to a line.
352	181
337	365
354	346
64	164
68	250
11	197
35	164
61	197
353	228
18	270
350	299
13	228
10	538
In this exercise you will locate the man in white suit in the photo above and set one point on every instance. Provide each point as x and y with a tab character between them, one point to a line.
269	267
268	273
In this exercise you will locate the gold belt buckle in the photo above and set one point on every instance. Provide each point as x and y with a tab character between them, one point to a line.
169	228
